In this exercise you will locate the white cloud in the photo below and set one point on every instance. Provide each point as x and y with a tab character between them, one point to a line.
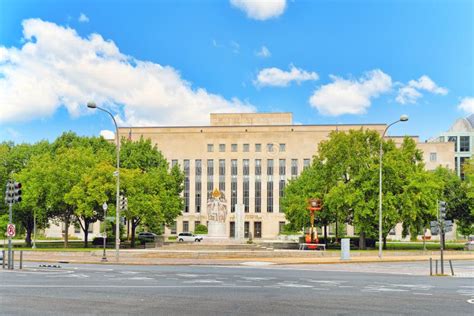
410	92
261	9
263	52
83	18
56	67
467	105
350	96
280	78
107	134
235	47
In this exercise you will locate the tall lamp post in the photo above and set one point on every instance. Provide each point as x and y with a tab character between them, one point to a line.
403	118
92	105
104	236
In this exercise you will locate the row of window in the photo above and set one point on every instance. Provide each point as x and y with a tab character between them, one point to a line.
271	147
464	143
246	181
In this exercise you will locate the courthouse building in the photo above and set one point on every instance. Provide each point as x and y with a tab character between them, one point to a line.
250	157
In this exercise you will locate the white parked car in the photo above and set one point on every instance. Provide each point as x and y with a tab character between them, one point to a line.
189	237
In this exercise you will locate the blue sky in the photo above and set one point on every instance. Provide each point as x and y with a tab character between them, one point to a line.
173	62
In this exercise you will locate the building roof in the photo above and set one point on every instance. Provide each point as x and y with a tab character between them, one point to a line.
463	125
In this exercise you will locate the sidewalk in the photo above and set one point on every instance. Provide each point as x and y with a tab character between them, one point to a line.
163	257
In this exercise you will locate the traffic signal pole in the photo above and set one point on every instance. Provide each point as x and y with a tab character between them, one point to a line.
10	220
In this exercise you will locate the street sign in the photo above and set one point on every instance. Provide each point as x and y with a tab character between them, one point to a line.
448	226
434	227
11	230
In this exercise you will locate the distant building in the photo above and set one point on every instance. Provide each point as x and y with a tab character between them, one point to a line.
461	134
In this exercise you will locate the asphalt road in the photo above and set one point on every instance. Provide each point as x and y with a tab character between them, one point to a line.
251	289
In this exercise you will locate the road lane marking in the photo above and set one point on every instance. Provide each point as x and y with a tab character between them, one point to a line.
422	294
130	286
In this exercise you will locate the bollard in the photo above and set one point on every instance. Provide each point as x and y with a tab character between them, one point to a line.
436	265
3	259
451	265
431	266
21	259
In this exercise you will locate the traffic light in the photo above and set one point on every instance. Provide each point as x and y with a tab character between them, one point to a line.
13	192
16	192
442	210
123	203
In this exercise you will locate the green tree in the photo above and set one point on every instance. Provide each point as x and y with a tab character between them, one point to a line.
152	189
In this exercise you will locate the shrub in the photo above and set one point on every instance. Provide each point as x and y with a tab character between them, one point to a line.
200	229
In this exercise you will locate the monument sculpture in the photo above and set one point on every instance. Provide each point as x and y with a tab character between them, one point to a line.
216	214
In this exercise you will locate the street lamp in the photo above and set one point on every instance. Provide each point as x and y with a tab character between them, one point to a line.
92	105
403	118
104	235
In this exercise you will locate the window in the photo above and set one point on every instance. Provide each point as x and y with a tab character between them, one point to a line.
210	177
185	226
246	229
233	148
258	186
186	185
282	167
222	175
198	185
210	148
282	148
257	229
454	139
258	148
77	228
246	148
270	167
174	162
463	143
233	185
173	228
433	157
246	185
281	227
270	147
294	168
222	148
232	229
462	160
392	232
270	195
306	163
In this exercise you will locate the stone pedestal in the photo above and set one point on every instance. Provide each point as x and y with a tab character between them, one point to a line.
216	230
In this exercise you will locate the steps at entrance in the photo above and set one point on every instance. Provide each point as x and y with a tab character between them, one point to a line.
212	246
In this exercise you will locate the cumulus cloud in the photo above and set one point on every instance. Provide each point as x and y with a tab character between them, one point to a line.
280	78
350	96
260	9
467	105
263	52
83	18
107	134
410	92
56	67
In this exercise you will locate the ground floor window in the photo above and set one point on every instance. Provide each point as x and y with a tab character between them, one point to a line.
185	226
173	228
246	229
257	229
232	230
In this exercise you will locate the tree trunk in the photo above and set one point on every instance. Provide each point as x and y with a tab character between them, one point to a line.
134	225
326	235
362	241
28	237
66	231
337	234
86	233
384	242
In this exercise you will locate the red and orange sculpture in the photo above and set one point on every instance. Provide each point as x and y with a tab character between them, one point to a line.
314	205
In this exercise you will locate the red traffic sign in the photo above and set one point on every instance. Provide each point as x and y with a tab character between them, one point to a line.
11	230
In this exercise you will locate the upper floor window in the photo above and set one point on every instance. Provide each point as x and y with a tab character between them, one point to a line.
246	148
306	163
222	148
282	148
270	147
210	148
433	157
464	143
258	148
233	148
